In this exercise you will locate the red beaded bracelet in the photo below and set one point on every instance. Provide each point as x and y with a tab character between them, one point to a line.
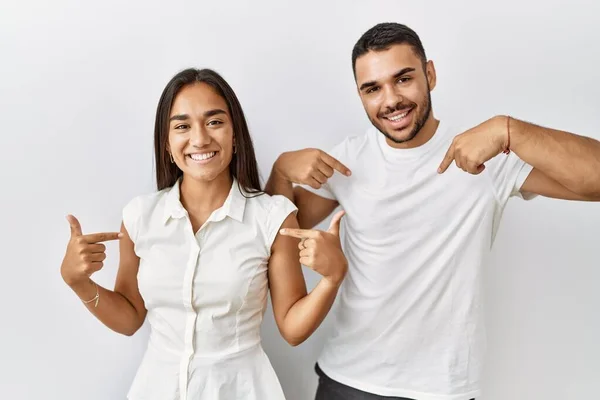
507	150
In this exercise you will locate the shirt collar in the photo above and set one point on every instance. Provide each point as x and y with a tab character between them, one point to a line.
233	207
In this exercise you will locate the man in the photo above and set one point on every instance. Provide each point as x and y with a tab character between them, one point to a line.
417	228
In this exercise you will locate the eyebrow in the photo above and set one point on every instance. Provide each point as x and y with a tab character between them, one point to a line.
207	114
396	75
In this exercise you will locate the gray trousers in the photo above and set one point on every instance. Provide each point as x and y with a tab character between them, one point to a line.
329	389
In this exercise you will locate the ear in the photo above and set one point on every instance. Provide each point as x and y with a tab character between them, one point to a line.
169	154
430	74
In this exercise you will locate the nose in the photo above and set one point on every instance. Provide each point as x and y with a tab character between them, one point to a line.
392	98
199	137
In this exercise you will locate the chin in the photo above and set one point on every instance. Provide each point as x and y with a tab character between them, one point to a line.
405	135
400	137
206	176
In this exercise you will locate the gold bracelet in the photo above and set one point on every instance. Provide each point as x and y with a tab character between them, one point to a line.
96	298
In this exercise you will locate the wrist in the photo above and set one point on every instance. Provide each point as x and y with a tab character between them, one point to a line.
515	128
331	283
500	128
83	288
279	168
337	278
510	132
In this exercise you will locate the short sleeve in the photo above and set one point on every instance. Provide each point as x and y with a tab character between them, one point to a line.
327	190
280	209
508	173
131	216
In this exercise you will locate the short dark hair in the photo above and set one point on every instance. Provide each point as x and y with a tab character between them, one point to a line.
243	164
383	36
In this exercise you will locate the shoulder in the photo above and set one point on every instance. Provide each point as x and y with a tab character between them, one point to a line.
268	213
142	208
143	203
264	206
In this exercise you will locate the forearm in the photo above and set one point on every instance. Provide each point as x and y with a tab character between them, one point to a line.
307	314
278	184
113	310
571	160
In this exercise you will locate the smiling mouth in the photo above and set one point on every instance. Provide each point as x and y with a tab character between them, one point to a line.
202	156
396	117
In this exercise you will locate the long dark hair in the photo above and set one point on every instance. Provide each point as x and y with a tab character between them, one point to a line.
243	164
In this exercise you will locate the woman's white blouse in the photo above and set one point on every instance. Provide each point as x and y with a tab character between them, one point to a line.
206	294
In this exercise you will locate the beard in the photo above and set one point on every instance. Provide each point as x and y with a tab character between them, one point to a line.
421	118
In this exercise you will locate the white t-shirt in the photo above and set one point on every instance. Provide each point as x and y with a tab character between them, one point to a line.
409	321
206	294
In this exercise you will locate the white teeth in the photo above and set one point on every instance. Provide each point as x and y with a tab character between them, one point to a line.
203	156
398	117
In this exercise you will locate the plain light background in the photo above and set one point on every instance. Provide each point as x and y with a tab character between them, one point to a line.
79	84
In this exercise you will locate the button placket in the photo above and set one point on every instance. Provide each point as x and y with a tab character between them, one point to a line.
187	299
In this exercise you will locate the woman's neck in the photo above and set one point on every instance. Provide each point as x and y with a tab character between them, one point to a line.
200	198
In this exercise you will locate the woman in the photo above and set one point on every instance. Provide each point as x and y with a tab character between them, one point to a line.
199	256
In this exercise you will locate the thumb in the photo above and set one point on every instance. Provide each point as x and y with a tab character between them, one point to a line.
334	227
75	226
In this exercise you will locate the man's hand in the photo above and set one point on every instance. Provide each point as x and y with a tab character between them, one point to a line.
473	148
312	167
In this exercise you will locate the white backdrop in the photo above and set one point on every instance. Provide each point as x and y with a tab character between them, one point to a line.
79	83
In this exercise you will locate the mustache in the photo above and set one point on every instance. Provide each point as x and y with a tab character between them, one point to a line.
398	107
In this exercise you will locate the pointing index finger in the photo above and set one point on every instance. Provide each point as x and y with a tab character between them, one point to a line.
299	233
335	164
448	158
102	237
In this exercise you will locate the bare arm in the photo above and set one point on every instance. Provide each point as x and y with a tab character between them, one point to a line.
310	167
566	165
312	208
279	184
297	313
121	310
539	183
565	159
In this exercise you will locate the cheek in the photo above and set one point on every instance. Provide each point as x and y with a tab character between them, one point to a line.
226	140
371	105
418	94
176	143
